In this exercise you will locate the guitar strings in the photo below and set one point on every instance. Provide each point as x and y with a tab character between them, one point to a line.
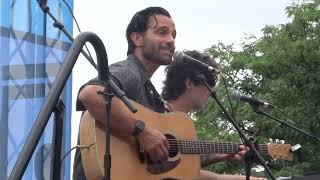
218	144
199	146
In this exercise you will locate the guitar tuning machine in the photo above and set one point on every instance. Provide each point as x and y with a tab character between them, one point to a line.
295	147
276	141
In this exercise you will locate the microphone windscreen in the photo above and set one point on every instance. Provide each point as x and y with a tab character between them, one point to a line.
178	55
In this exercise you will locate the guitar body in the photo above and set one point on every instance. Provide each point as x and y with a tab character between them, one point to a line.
126	162
129	161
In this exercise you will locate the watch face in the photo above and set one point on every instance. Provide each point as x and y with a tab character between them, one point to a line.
138	128
140	125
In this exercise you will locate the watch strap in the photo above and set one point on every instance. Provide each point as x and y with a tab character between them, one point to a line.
138	128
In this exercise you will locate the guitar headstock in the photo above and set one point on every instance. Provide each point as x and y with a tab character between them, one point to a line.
279	150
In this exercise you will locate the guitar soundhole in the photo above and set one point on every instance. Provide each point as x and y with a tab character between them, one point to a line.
162	167
174	148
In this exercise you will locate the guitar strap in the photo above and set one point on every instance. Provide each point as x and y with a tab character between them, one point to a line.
168	108
154	97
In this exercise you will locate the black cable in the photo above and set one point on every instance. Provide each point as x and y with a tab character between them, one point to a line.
77	24
60	26
294	121
247	142
75	147
231	105
228	96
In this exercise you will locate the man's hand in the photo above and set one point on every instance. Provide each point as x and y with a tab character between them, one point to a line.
154	143
207	159
237	157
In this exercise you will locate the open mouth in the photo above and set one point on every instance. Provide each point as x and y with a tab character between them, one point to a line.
167	51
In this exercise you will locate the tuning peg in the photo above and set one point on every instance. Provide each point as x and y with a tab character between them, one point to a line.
270	140
282	141
295	147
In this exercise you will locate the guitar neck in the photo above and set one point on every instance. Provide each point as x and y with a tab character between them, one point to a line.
211	147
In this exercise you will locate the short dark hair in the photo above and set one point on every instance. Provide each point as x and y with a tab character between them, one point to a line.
178	71
139	23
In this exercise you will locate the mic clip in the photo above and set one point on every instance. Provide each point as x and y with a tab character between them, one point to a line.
255	106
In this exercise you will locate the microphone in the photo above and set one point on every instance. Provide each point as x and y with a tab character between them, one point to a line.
236	95
179	55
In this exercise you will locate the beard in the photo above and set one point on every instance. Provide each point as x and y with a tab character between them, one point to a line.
153	52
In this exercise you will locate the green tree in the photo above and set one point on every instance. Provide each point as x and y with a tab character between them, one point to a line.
282	67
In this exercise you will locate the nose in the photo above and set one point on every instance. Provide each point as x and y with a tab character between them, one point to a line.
208	91
171	41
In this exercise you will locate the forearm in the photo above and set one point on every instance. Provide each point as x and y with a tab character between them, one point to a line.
205	175
208	159
122	120
237	177
231	177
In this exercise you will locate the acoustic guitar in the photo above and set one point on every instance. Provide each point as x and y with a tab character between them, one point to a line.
130	162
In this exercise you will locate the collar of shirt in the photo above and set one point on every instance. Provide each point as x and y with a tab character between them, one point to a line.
142	70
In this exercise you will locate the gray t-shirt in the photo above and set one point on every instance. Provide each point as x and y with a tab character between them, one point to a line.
133	80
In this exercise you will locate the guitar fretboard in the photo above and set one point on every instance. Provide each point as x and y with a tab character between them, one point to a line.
212	147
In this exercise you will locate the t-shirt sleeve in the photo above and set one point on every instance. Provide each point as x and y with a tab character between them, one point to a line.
126	80
130	81
79	104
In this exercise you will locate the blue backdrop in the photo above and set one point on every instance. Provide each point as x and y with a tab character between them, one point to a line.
31	53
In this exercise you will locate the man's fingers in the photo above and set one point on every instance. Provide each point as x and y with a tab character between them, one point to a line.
166	143
155	155
159	154
165	153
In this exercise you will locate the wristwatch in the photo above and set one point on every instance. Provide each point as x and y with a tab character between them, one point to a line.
138	128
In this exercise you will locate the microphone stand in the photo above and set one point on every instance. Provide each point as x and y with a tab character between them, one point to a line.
253	151
108	94
54	93
255	108
60	26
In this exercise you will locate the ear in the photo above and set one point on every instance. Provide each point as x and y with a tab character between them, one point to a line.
137	39
188	83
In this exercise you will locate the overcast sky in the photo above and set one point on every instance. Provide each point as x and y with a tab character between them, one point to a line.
199	25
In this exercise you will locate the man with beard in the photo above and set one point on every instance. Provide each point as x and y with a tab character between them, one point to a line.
151	42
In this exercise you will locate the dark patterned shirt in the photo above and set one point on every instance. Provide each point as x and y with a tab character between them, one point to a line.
132	78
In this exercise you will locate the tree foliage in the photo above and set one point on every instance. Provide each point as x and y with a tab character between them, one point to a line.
282	67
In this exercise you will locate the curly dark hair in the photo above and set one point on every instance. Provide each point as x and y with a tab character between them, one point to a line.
139	23
178	71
